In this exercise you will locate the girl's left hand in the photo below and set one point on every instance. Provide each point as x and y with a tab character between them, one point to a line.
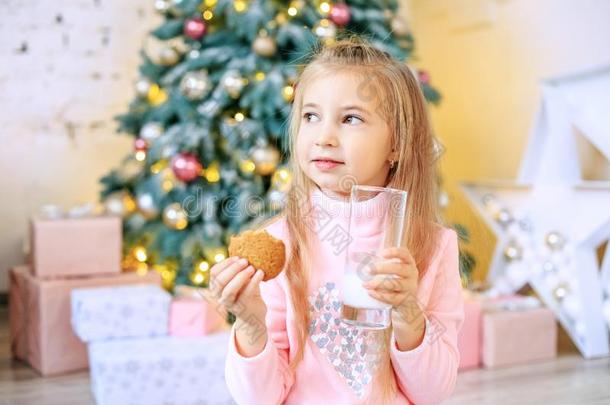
394	280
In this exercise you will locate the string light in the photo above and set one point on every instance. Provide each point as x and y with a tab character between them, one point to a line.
156	95
203	266
219	257
240	6
156	167
139	252
212	173
324	8
247	166
288	92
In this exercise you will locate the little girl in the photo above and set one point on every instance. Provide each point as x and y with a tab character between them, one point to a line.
359	117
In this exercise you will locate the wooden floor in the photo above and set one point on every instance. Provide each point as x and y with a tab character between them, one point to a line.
567	380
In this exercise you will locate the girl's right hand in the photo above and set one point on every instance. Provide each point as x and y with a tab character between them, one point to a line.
235	286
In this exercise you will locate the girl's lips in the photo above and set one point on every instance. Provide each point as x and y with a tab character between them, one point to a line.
326	164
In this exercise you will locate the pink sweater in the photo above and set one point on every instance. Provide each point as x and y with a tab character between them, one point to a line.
339	360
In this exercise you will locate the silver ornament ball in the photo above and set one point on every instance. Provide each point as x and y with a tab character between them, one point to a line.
142	87
266	159
277	200
195	85
146	205
151	131
233	83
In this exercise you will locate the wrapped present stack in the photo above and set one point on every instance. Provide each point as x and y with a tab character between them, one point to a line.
68	251
500	331
146	347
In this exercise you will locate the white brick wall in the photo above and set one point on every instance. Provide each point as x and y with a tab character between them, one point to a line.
57	100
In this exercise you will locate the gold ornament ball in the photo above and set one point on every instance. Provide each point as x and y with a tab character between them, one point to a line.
120	203
131	169
168	56
175	217
264	46
266	159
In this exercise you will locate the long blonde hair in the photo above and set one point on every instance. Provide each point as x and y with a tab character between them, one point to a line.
403	106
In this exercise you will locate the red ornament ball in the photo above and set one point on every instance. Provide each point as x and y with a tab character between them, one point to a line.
140	144
340	14
186	166
424	76
194	28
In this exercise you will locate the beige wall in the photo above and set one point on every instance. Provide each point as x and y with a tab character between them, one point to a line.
487	57
57	101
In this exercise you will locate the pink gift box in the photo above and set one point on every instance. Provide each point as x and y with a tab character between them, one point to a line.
39	318
194	317
469	336
518	336
75	246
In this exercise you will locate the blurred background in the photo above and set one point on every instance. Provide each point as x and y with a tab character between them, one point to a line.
128	109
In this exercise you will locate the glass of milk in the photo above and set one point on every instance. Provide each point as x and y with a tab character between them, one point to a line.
376	221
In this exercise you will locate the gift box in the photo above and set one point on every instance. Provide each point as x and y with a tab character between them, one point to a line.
162	370
18	311
120	312
39	318
64	246
518	336
469	336
195	317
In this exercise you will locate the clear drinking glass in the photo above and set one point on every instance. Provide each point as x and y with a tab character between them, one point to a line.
376	222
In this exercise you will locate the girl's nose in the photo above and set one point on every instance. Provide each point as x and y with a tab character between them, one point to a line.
327	137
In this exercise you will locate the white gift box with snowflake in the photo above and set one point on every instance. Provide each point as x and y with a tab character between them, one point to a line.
120	312
161	370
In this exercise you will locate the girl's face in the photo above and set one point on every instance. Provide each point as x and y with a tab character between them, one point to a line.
342	138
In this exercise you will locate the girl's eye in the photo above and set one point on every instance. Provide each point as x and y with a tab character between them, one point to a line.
354	116
307	115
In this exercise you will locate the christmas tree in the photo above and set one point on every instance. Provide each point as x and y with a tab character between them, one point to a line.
208	120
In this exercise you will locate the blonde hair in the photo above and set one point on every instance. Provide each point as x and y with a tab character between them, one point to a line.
402	104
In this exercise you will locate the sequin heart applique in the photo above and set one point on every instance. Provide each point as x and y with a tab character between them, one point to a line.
353	352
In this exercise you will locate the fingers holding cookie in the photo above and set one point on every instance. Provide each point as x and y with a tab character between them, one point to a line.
234	287
234	281
223	272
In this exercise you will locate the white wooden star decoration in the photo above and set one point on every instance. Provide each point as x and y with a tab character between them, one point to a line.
551	224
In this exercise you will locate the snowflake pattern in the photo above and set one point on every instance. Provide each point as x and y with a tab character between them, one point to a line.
354	352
